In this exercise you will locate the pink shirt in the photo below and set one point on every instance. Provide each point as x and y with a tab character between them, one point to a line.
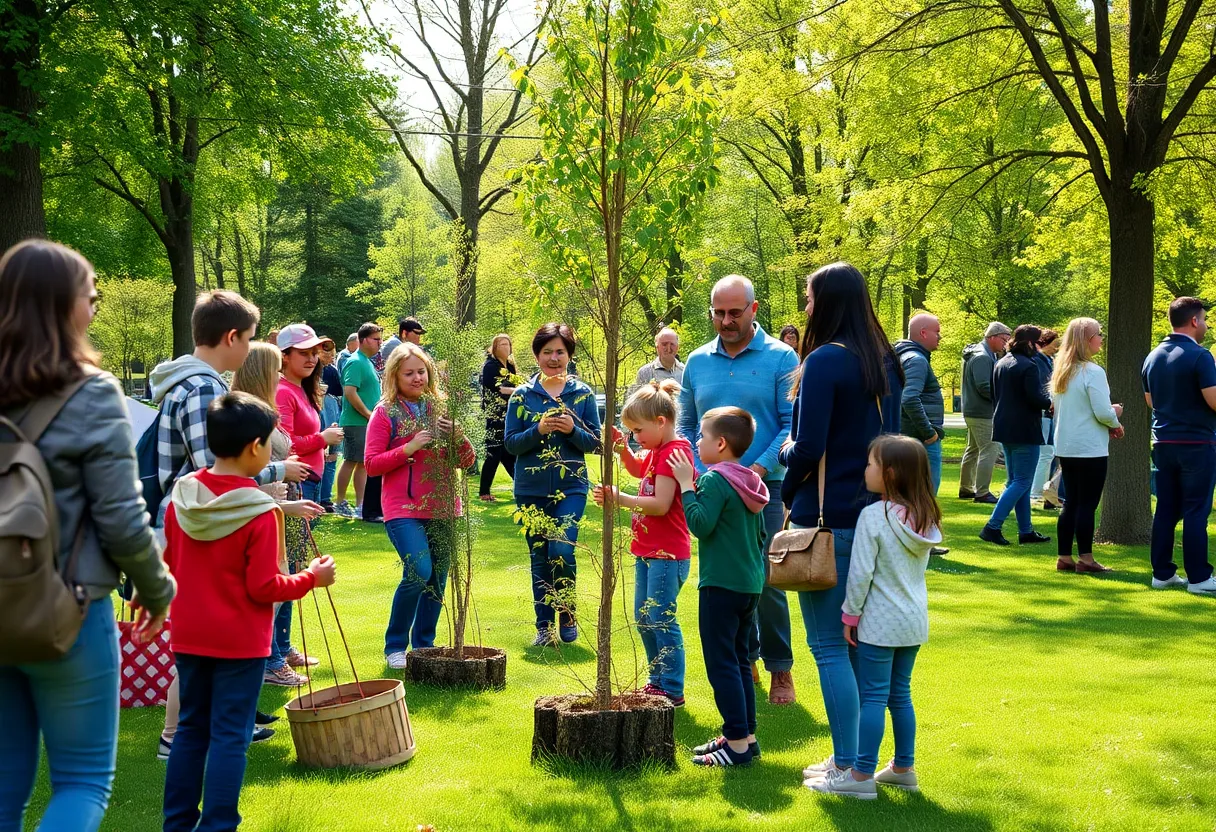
423	486
301	421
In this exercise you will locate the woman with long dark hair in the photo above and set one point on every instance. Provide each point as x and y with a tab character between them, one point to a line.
847	393
499	378
1019	393
70	702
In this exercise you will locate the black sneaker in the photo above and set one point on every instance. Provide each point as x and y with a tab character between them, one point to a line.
966	495
1033	537
163	748
264	719
938	551
724	757
988	499
720	742
262	734
993	536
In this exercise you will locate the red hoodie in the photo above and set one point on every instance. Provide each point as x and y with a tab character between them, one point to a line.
227	588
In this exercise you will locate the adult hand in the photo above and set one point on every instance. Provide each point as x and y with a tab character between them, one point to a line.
306	509
146	626
546	425
1116	433
931	440
332	435
1118	410
420	440
323	570
564	423
850	635
294	470
682	469
759	469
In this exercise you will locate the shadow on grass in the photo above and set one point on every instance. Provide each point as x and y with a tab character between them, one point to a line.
895	809
954	567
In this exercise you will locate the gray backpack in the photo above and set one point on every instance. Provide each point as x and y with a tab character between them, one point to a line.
40	611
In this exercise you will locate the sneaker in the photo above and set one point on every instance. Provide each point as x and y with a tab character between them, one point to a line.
939	551
713	745
163	748
262	734
264	719
396	660
1208	587
988	499
842	783
724	756
993	536
964	494
284	677
343	509
358	515
1170	582
820	769
655	690
329	507
1033	537
544	638
568	633
889	777
295	658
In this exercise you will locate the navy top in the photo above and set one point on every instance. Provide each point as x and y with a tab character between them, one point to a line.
553	464
1020	397
1174	374
834	412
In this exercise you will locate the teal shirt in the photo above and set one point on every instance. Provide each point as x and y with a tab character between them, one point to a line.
360	374
731	538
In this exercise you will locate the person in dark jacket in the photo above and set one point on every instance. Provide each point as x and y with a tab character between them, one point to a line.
979	457
1017	423
552	424
499	378
848	392
922	407
1049	345
70	703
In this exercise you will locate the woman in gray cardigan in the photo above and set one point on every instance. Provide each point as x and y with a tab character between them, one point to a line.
47	300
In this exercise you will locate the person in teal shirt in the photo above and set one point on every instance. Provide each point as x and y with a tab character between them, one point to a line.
360	393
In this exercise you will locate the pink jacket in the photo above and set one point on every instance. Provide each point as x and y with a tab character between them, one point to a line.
420	487
302	422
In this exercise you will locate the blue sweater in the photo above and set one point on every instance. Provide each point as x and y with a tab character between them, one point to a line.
758	380
835	413
1174	374
553	464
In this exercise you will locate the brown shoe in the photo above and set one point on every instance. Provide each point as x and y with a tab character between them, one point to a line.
1094	566
755	673
781	689
1063	565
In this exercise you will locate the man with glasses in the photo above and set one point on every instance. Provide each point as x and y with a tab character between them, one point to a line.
979	457
746	367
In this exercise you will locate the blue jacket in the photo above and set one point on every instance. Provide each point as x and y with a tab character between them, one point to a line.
835	414
1021	397
553	464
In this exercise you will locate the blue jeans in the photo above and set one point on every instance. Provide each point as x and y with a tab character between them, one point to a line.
219	702
280	644
836	660
935	464
553	566
657	585
327	483
73	702
771	637
884	675
1185	477
1020	464
418	601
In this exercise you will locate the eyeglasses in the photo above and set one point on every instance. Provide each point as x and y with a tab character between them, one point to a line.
723	314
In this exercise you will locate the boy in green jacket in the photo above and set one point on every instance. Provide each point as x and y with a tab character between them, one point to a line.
724	512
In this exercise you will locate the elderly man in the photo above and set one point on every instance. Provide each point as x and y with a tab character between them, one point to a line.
979	457
666	363
746	367
922	407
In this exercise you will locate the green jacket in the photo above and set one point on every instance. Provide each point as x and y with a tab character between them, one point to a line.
731	537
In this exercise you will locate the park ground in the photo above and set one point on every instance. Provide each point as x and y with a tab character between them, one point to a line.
1045	701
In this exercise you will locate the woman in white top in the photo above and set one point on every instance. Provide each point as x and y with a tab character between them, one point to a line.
1085	421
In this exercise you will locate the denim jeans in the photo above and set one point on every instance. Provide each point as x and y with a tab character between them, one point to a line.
72	702
656	587
836	660
219	703
553	567
935	464
771	639
1020	463
1185	477
280	639
726	625
418	601
327	483
884	676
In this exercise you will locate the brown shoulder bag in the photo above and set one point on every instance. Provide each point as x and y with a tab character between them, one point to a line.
801	560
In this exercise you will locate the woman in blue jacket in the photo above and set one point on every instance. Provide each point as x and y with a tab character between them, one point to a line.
848	392
552	424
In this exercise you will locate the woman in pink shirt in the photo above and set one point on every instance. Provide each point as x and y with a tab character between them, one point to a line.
299	401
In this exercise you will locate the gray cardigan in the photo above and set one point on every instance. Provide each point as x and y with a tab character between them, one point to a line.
90	455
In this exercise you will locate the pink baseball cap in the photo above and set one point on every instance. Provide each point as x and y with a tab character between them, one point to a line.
301	337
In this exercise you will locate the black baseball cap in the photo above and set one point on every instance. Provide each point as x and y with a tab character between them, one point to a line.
411	324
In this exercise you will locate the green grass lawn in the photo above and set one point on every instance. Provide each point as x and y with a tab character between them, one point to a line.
1045	701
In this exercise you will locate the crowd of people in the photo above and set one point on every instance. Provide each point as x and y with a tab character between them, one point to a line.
831	428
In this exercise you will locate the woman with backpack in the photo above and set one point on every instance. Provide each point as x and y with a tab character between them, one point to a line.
59	656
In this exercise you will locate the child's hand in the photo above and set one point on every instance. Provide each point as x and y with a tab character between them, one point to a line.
323	570
306	509
421	439
294	470
850	635
618	439
602	494
682	470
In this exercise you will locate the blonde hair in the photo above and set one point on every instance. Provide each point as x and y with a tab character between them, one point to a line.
494	345
389	392
1074	351
259	375
650	401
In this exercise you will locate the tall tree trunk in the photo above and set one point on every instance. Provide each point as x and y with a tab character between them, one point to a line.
218	263
21	210
1126	513
914	293
240	259
180	249
466	256
675	286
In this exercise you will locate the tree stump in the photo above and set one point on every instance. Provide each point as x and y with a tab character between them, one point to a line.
636	729
483	668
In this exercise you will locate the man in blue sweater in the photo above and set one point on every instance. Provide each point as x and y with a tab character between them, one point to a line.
1179	379
746	367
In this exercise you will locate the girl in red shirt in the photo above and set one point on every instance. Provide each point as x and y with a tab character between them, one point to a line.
661	540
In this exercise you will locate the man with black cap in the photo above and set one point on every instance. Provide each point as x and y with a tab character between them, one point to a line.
408	329
979	457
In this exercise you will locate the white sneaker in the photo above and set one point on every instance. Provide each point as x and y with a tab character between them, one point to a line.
396	661
1170	582
817	770
889	777
842	783
1208	587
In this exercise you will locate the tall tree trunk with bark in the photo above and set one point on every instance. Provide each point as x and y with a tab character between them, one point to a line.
21	210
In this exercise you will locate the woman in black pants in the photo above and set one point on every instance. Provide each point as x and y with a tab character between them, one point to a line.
1085	421
499	379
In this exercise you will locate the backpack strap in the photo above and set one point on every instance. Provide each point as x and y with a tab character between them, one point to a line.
39	415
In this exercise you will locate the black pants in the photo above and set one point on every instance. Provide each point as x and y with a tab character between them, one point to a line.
726	621
372	509
1084	478
1185	477
495	455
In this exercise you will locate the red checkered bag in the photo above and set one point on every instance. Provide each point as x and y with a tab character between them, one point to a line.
147	669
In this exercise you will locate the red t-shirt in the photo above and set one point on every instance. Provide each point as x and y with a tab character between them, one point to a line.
227	588
666	536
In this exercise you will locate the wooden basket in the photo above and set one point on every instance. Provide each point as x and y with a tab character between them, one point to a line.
336	726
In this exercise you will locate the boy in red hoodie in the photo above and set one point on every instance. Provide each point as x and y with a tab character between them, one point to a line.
224	542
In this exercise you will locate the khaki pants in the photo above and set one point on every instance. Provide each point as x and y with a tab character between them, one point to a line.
979	457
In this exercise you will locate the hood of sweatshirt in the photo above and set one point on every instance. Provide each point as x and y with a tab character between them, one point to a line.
972	350
746	482
908	345
909	538
169	373
203	515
